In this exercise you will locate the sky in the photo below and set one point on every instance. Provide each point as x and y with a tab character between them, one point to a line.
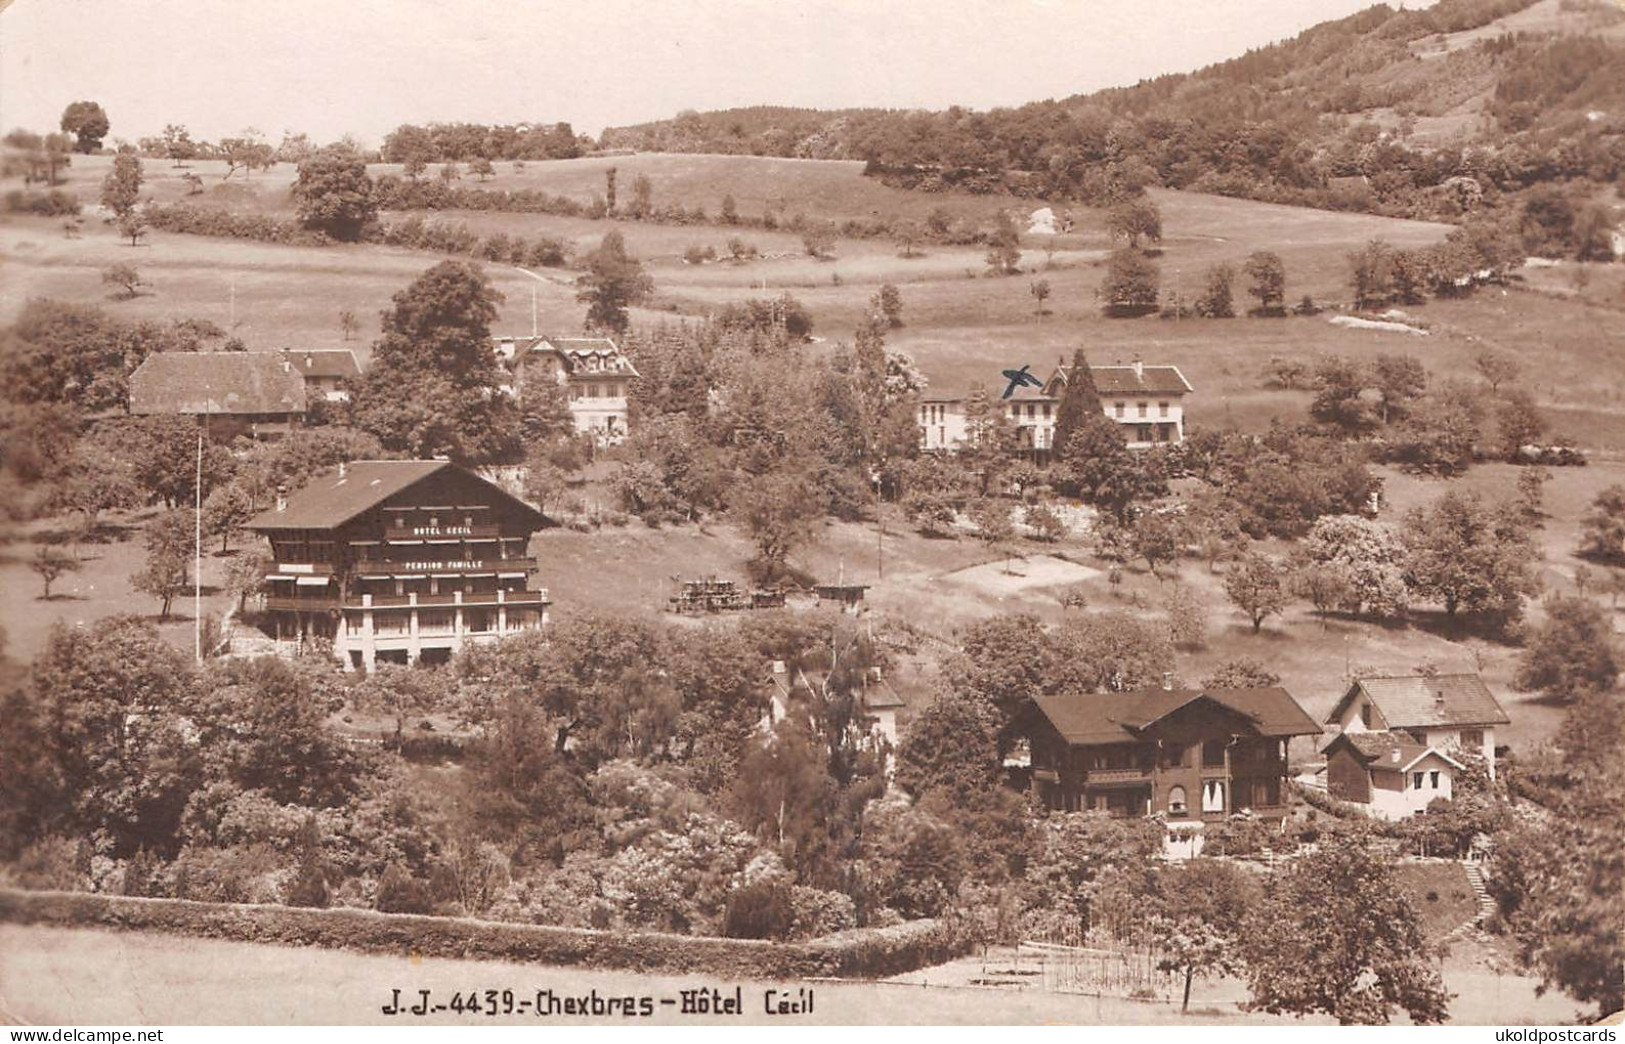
331	67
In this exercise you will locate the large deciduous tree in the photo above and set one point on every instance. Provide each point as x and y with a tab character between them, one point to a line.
952	746
777	510
333	193
87	122
1098	466
1372	557
1573	651
1254	585
614	281
121	189
109	699
1135	219
1603	529
1268	275
1132	283
1003	246
1469	558
432	387
1336	935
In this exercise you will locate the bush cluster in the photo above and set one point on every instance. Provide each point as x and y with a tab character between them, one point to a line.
412	232
54	203
213	221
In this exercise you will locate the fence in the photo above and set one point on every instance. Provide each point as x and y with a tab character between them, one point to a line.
1095	972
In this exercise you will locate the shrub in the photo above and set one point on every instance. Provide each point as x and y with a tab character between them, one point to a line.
53	863
400	892
54	203
759	910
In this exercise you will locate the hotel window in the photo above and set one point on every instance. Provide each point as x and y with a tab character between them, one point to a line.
1472	737
1416	781
1162	409
1433	779
1118	407
1213	796
1176	800
1365	715
1144	408
1046	409
1032	411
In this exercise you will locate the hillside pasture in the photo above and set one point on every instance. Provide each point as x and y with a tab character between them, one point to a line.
961	325
100	587
281	296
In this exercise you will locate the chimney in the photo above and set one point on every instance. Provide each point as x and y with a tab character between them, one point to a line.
1393	755
287	367
1139	369
282	498
1168	681
874	672
309	361
778	667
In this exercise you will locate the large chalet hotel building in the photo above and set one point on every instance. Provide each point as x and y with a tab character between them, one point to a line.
1148	401
400	561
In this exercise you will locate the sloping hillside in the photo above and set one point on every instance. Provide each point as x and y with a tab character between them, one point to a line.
1385	111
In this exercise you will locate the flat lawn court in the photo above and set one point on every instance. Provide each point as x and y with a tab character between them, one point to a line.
56	976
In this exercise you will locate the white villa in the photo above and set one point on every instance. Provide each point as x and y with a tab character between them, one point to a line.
1148	401
595	372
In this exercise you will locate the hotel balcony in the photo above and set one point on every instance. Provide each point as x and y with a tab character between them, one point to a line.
454	598
420	567
1128	775
320	604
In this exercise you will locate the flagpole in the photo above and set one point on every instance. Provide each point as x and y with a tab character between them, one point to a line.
197	554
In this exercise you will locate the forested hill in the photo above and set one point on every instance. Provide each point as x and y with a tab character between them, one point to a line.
1407	112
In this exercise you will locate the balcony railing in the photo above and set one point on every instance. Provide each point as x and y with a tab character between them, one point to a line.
1122	775
301	605
453	565
453	598
304	568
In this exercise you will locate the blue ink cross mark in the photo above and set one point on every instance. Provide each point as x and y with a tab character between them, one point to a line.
1020	378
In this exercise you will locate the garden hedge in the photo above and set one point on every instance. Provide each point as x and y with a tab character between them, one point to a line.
860	953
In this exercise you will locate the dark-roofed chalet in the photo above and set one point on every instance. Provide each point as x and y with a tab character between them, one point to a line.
325	371
231	393
1444	711
1191	754
400	560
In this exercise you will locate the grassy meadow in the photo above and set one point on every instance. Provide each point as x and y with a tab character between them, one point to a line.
961	325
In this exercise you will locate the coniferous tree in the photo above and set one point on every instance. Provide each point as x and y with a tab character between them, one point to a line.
1080	401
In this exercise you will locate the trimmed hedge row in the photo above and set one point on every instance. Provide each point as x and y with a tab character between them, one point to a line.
861	953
